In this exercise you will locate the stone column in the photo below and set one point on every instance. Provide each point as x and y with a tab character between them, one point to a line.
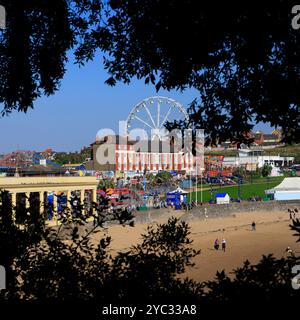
27	197
68	199
82	192
42	201
14	203
54	205
94	198
94	195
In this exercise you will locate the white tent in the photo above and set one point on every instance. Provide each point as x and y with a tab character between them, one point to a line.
288	189
179	190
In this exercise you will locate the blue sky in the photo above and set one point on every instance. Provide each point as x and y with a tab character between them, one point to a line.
71	118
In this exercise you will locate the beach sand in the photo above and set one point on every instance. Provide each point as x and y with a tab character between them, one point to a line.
272	235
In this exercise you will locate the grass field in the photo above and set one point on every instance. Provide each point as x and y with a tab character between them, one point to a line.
266	180
256	189
254	180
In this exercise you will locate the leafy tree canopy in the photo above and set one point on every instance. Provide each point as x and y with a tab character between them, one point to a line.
43	269
242	59
266	170
73	157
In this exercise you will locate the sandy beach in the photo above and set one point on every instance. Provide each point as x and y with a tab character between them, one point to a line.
272	235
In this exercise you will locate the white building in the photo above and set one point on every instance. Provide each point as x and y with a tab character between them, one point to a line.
117	153
288	189
222	198
252	159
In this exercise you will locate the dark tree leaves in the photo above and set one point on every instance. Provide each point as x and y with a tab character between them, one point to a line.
244	60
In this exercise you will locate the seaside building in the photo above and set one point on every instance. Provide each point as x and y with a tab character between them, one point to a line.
260	139
266	139
117	153
255	158
19	187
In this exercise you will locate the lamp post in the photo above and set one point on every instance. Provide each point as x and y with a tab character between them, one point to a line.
201	173
196	181
201	194
239	189
191	187
251	167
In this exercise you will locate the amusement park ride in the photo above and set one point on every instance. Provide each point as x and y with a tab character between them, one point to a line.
151	115
214	166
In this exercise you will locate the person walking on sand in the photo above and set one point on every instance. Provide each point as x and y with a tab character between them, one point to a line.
253	226
224	245
205	213
216	244
289	251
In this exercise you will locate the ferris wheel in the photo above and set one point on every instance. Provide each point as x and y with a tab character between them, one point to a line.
151	114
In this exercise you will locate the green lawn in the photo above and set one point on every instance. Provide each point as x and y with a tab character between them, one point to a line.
266	180
248	181
256	189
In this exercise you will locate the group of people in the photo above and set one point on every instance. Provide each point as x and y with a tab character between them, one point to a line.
289	251
223	242
217	244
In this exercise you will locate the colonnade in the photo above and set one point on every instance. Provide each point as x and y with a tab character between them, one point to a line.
55	201
42	185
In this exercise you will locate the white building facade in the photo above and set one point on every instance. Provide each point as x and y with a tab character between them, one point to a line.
253	159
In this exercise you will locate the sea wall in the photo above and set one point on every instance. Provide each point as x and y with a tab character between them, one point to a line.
224	210
156	215
215	211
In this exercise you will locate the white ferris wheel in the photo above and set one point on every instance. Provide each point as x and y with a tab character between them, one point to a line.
151	114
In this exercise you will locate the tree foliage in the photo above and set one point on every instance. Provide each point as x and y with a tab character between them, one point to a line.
33	51
48	269
266	170
34	46
72	157
242	60
65	266
106	184
163	177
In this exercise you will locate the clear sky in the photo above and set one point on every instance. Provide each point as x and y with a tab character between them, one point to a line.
70	119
